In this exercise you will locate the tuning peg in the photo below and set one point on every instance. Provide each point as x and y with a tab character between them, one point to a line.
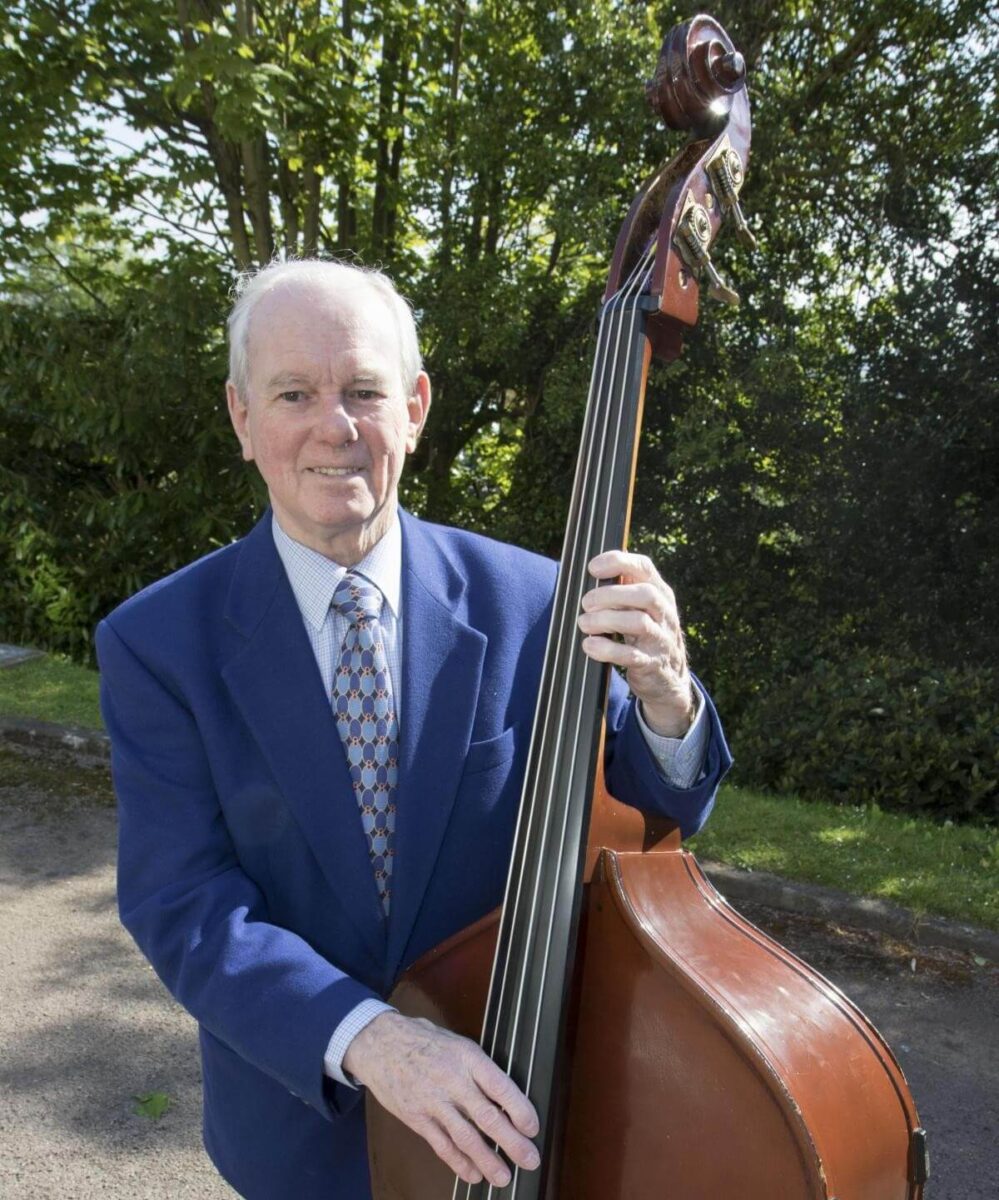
694	236
726	171
742	230
718	289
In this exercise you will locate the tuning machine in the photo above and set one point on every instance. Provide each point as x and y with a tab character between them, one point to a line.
693	236
728	175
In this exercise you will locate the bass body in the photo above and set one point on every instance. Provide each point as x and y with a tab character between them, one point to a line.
705	1060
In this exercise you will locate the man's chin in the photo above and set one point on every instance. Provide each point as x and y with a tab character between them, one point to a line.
345	536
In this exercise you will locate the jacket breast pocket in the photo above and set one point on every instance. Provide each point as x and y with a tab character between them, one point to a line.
483	756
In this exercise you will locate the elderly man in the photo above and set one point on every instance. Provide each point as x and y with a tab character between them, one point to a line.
319	736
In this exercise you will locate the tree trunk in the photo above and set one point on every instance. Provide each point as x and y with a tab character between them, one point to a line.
311	183
288	192
227	169
440	502
258	196
386	88
255	160
494	219
312	186
450	134
346	216
223	154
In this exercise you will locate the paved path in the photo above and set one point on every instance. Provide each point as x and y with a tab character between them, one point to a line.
85	1026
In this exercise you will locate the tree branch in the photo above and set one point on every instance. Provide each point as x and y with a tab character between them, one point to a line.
71	275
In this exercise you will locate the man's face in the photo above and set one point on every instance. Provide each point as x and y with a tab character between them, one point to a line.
326	417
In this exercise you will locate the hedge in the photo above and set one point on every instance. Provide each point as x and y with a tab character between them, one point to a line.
879	729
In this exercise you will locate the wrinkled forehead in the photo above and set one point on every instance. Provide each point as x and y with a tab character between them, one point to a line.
315	322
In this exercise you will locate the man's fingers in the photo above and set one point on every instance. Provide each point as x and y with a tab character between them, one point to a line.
629	622
471	1144
620	562
504	1114
501	1089
632	622
499	1130
440	1141
619	654
450	1092
657	599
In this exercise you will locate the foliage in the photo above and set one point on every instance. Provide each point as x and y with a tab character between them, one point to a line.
152	1105
879	730
820	469
116	463
945	869
818	476
469	153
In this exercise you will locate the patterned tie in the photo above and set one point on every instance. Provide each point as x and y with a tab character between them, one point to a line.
365	716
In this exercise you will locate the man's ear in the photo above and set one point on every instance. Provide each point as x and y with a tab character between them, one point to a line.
239	415
418	405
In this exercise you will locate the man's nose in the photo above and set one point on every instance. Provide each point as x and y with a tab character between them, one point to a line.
335	419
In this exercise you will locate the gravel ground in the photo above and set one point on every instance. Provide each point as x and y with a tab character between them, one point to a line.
85	1026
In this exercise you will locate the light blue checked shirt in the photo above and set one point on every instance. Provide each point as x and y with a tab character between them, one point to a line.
314	579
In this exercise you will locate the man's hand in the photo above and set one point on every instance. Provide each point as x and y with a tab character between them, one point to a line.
447	1090
641	608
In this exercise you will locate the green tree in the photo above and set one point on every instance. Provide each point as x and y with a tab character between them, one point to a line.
818	470
820	467
463	145
116	464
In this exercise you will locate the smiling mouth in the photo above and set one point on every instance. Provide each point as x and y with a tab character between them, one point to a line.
335	472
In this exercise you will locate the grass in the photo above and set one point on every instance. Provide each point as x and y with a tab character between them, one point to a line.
949	870
51	689
944	869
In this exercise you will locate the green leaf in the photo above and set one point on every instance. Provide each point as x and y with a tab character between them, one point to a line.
153	1105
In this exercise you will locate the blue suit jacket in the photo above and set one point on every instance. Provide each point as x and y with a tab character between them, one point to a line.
243	871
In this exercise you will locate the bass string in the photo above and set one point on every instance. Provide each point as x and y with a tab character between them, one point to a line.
596	385
543	727
526	811
527	816
558	640
587	545
615	325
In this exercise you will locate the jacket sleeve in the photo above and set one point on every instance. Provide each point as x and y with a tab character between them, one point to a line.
196	915
633	777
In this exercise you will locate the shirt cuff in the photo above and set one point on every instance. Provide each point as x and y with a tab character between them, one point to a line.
680	760
348	1029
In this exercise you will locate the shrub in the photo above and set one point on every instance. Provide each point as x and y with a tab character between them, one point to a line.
879	729
117	463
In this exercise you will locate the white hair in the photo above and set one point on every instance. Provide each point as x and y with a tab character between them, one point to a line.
252	286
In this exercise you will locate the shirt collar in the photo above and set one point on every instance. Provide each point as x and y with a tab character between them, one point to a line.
314	577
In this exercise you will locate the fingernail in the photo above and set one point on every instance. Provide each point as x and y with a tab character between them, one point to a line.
501	1178
533	1160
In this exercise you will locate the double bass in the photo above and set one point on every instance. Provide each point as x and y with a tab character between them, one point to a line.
671	1049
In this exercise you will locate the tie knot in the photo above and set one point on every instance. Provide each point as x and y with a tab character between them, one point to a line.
357	598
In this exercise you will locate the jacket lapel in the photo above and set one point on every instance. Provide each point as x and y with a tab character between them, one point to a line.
276	685
442	666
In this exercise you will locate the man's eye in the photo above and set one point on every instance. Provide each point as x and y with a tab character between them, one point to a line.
365	393
292	397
